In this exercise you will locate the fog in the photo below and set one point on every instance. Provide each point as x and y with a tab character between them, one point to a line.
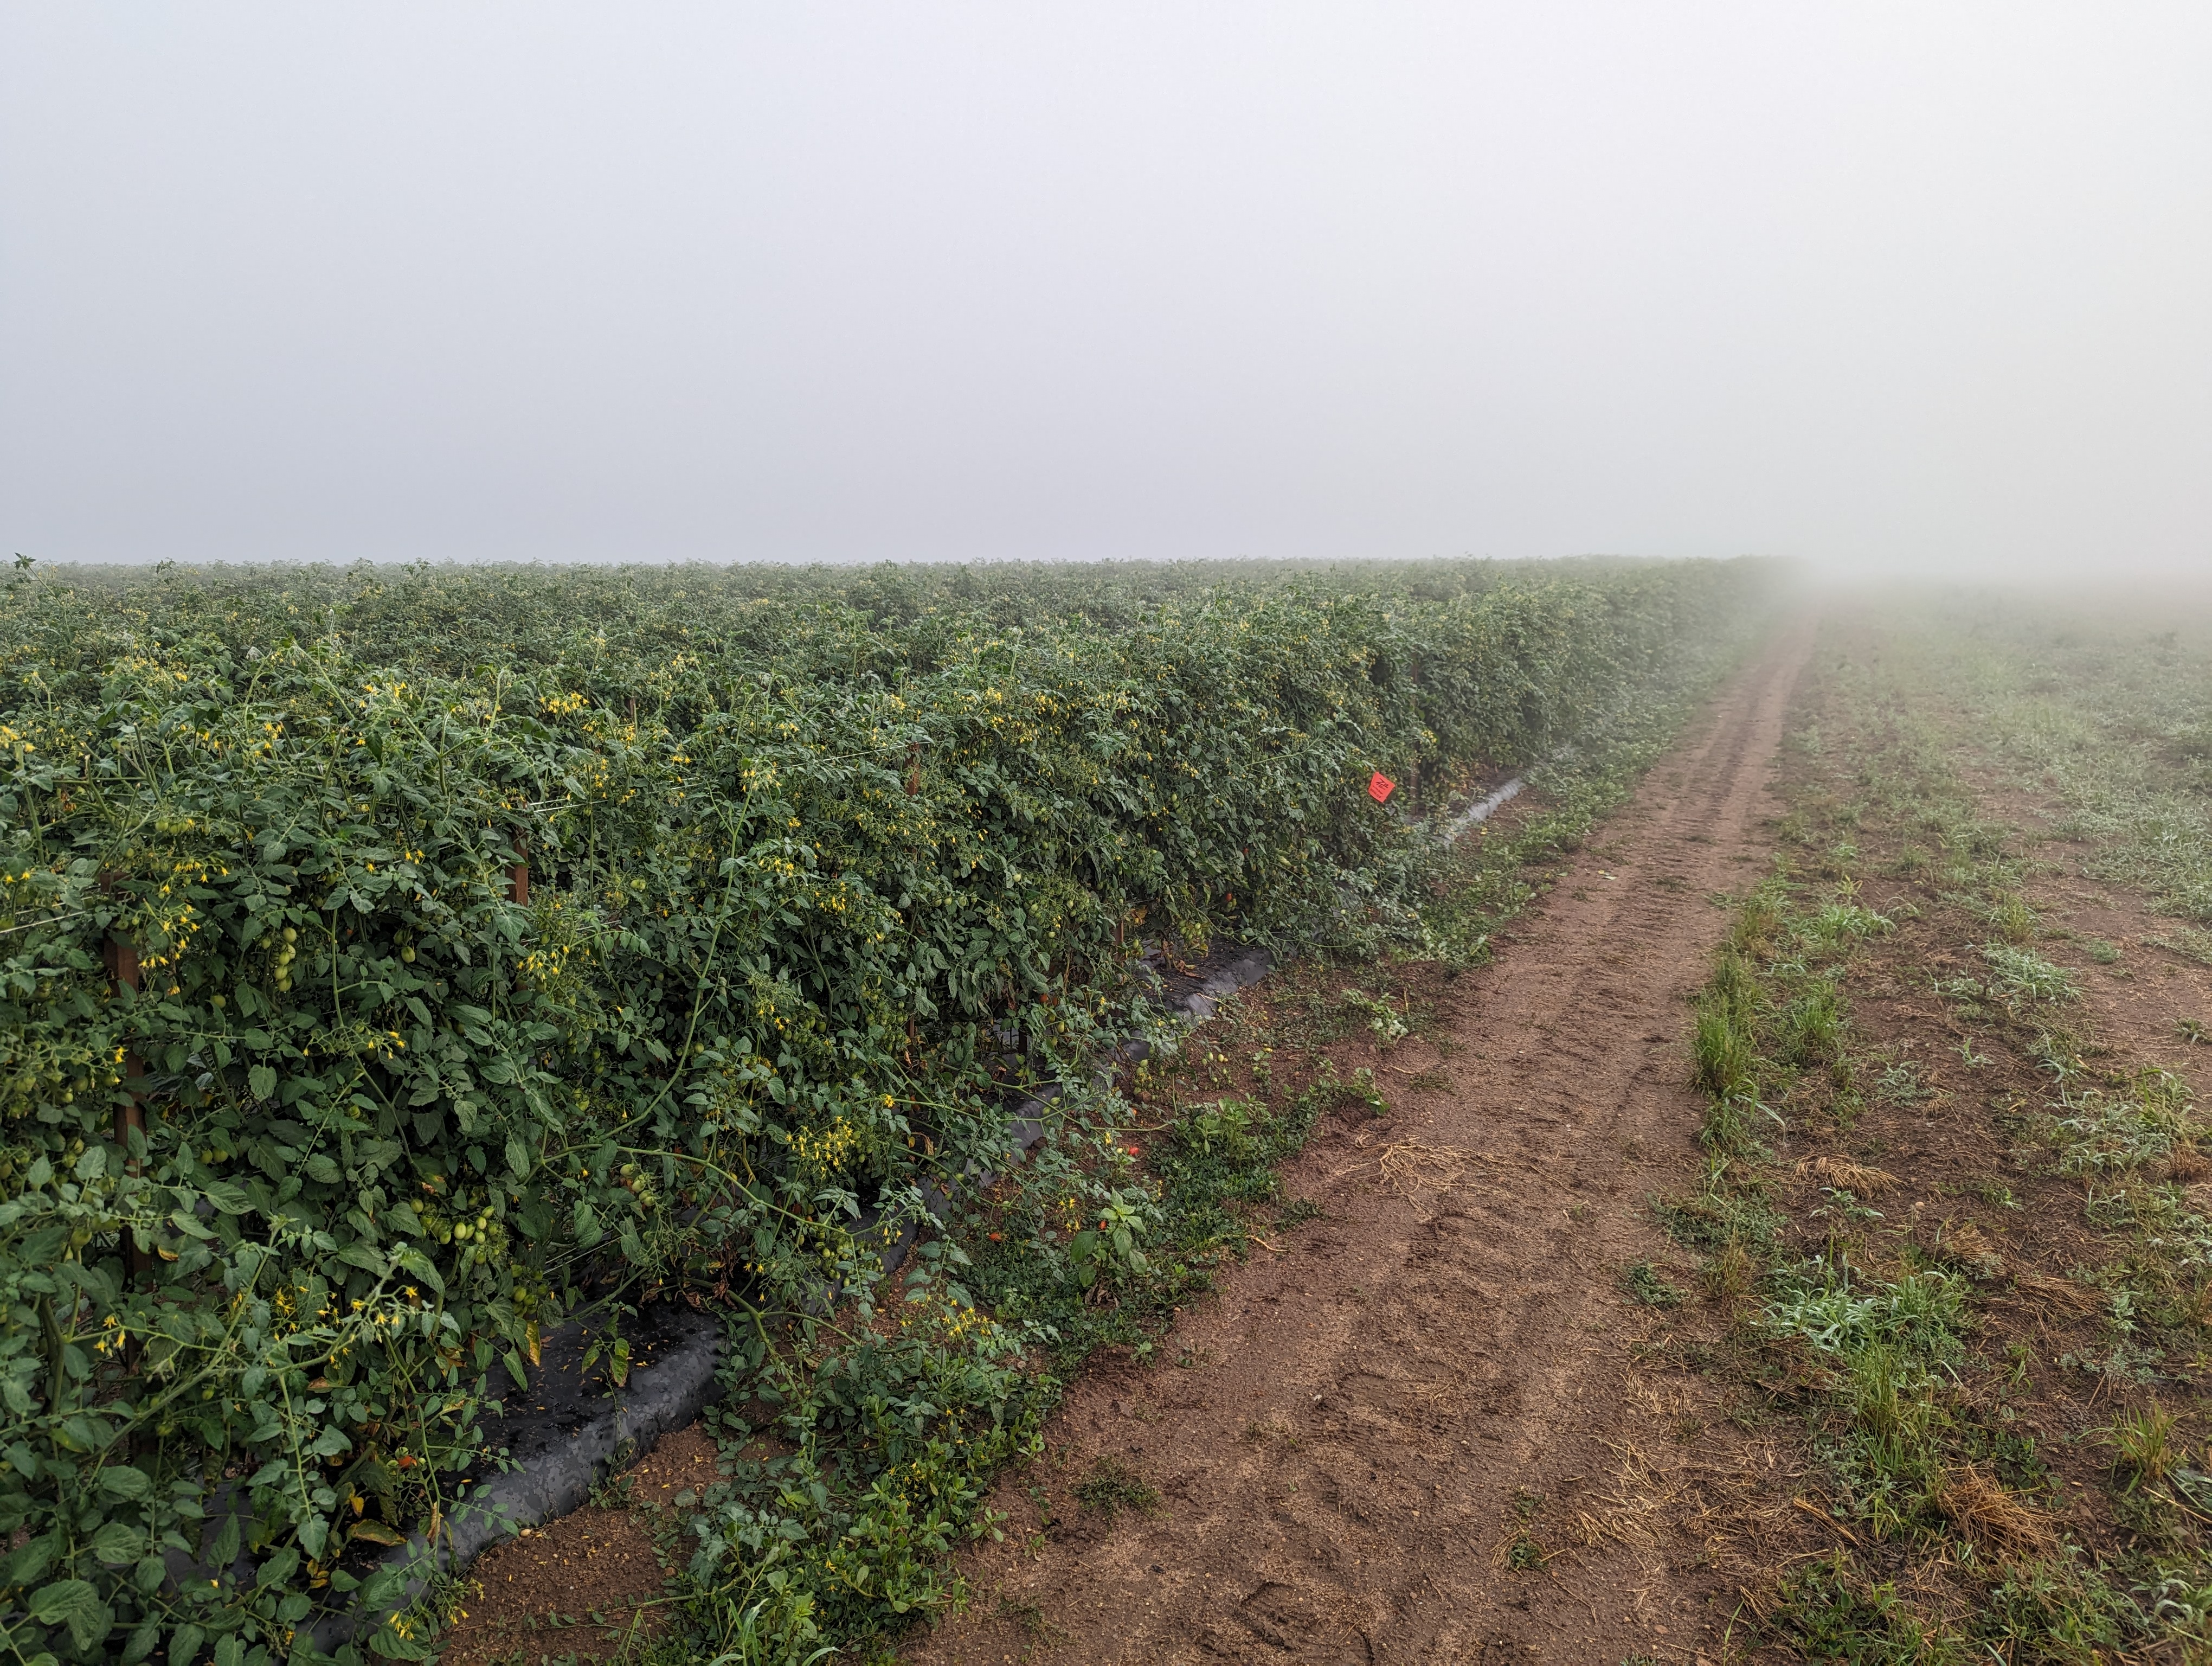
1887	287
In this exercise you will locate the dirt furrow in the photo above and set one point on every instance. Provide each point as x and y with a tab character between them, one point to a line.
1419	1433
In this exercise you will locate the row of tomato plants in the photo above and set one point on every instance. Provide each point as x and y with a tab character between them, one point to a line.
465	995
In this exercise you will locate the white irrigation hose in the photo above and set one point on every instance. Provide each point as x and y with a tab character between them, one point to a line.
1483	811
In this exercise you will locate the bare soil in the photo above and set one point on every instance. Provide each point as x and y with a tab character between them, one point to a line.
1429	1428
582	1585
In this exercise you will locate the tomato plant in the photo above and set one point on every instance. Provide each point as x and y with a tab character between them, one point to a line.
392	965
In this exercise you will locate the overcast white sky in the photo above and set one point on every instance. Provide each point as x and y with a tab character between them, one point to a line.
1887	285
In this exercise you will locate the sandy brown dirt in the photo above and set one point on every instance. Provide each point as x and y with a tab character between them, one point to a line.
578	1584
1442	1366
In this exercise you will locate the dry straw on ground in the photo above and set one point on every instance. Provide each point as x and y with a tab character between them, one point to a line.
1411	1166
2064	1294
1996	1520
1846	1175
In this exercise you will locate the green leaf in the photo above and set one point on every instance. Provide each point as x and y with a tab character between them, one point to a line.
409	1258
518	1155
75	1603
117	1543
388	1643
224	1551
121	1481
262	1081
360	1255
185	1645
25	1565
81	1433
383	1588
322	1171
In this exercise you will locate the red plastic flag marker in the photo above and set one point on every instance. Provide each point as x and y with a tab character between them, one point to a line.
1379	787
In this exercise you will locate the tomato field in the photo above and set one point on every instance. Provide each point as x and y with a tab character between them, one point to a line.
398	962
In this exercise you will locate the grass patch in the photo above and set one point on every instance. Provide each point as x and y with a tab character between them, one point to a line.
1112	1486
1725	1048
1713	1219
1645	1283
1869	1301
2019	977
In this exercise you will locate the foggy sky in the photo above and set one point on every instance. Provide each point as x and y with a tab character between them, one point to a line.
1878	285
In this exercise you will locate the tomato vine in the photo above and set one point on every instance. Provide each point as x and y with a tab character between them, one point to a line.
504	941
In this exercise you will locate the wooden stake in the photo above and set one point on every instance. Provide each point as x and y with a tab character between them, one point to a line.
123	967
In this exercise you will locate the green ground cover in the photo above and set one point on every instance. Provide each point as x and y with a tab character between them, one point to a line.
2105	708
2012	1451
819	870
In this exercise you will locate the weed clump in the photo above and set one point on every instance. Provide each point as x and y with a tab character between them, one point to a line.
2144	1450
1812	1026
1112	1486
2019	976
1646	1284
1711	1219
1725	1048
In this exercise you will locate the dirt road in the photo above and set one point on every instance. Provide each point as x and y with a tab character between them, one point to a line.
1425	1431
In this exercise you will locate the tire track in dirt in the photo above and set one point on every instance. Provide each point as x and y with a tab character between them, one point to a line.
1372	1417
